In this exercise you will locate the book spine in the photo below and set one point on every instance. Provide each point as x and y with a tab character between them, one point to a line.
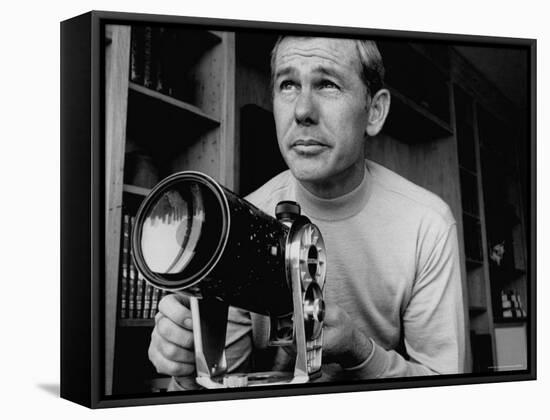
147	300
170	67
124	266
508	313
512	306
147	58
139	294
154	302
158	59
513	299
131	293
139	282
137	54
132	279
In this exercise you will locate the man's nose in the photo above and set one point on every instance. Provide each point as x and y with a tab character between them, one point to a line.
305	111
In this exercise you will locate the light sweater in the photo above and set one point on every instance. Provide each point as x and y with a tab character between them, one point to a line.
392	265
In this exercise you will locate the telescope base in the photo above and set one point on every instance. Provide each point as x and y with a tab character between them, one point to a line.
238	380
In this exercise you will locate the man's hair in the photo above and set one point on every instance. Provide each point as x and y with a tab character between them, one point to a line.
372	67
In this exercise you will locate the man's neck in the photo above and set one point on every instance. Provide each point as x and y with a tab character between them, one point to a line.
339	185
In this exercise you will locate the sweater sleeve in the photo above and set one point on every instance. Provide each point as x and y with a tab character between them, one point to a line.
432	321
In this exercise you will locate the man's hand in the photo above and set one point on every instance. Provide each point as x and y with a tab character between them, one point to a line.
172	348
343	343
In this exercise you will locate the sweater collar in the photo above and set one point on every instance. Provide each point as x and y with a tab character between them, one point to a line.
339	208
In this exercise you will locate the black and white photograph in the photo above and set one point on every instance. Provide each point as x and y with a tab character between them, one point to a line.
275	210
307	206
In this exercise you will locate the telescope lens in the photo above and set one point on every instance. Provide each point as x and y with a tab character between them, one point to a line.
172	229
180	232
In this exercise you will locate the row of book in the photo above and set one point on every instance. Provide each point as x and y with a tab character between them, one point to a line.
137	299
160	62
512	306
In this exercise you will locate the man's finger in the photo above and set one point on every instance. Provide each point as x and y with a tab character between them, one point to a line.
173	333
171	307
172	351
169	367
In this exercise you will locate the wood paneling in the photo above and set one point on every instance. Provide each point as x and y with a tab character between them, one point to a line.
117	57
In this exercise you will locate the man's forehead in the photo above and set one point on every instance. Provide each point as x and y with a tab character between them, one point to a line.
331	51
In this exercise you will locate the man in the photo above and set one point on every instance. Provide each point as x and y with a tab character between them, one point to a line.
393	291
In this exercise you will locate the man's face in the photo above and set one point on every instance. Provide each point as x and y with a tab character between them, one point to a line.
320	107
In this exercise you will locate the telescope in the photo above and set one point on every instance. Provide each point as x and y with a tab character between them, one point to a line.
195	237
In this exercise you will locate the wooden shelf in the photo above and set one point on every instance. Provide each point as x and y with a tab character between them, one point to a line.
132	189
472	263
164	126
184	106
131	322
509	322
467	170
406	113
470	215
133	197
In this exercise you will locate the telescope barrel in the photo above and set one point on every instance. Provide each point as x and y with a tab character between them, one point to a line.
193	235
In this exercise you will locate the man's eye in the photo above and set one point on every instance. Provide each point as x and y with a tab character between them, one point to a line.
327	84
287	85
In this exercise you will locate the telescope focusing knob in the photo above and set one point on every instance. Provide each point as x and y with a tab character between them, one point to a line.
314	311
287	211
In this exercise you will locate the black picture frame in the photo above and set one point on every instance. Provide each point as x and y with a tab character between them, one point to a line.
83	202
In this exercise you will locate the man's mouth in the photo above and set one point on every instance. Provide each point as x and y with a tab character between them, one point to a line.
308	146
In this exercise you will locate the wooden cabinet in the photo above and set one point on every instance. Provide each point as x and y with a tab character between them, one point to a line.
169	107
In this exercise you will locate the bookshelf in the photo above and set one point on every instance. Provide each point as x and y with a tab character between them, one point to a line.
135	323
505	226
492	201
170	108
473	218
454	151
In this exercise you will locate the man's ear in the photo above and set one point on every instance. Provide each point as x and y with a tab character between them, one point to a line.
378	111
